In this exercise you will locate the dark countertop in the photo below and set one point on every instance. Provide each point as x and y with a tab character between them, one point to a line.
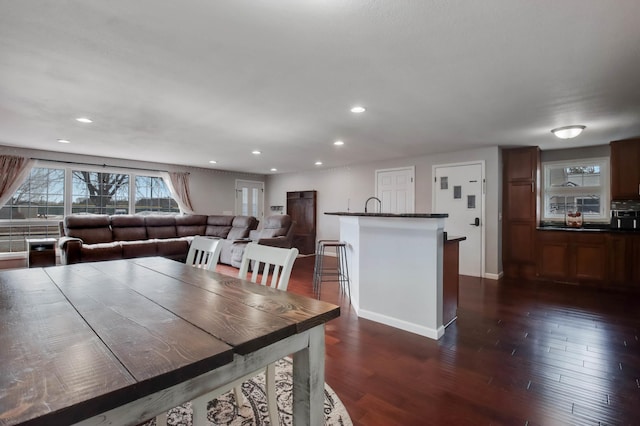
419	215
587	228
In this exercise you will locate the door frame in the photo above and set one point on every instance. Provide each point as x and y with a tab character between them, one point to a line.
235	201
412	169
483	221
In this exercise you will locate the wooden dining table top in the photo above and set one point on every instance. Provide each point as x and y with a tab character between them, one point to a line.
78	340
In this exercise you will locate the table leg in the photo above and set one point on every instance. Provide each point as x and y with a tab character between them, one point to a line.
308	381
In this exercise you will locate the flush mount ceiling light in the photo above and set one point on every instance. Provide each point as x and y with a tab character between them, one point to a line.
568	132
256	152
64	141
84	120
338	143
318	163
213	162
273	169
358	109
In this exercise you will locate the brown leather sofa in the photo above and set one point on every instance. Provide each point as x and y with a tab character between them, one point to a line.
90	238
277	231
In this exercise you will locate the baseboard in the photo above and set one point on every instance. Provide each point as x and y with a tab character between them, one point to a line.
496	277
402	324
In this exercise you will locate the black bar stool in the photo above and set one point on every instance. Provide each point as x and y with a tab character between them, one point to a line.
339	272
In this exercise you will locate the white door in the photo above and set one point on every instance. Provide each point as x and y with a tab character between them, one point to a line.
395	188
458	191
249	198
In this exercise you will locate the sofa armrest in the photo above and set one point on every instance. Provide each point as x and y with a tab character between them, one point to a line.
70	250
282	242
63	241
241	241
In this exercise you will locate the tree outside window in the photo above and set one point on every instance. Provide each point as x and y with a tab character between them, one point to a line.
100	192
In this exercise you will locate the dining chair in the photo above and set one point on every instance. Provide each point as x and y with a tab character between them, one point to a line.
204	252
273	266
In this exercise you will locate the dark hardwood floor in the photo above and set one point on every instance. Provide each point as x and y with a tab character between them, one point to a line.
520	353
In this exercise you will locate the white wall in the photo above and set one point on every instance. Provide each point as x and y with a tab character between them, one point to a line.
345	188
212	191
339	189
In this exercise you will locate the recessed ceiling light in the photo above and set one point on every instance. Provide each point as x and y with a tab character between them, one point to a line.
273	169
64	141
213	162
318	163
568	132
84	120
256	152
338	143
358	109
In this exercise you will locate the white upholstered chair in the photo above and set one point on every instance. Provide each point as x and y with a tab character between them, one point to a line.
204	252
278	263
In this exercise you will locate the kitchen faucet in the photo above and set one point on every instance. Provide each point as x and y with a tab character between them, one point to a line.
373	198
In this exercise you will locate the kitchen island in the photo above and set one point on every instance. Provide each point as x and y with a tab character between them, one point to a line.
396	268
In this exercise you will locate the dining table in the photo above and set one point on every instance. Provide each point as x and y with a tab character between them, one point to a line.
119	342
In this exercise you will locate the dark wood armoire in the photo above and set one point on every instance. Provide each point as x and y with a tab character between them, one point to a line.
301	206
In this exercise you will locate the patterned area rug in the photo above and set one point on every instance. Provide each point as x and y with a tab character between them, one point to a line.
225	411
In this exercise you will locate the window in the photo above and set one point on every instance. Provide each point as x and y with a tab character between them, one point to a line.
152	195
576	186
49	193
100	192
34	210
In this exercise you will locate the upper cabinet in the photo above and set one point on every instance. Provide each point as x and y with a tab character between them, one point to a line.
625	170
521	164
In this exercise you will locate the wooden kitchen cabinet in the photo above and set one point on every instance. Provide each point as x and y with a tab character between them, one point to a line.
619	267
553	255
572	256
450	280
589	256
521	170
521	164
301	206
625	170
634	261
624	261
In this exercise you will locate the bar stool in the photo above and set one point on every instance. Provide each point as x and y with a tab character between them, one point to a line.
339	272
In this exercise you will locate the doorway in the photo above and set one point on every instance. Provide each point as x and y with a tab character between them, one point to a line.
459	190
250	198
396	190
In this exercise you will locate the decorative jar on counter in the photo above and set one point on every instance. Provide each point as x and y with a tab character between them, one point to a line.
573	219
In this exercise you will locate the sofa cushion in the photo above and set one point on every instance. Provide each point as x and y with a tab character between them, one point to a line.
276	226
91	229
144	248
218	226
172	247
128	228
241	227
189	225
161	226
104	251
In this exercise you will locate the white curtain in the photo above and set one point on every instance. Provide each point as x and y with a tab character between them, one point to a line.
13	172
178	183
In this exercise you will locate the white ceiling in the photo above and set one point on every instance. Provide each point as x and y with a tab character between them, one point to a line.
185	82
